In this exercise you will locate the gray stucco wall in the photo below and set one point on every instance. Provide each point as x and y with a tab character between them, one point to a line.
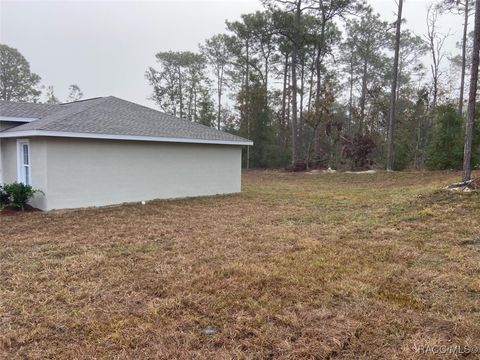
3	126
9	160
84	172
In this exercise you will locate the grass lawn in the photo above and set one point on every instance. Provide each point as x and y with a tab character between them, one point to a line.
297	266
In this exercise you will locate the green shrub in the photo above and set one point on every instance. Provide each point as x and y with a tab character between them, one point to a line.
446	147
5	198
19	194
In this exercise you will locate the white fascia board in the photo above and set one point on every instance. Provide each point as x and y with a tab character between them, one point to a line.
29	133
17	119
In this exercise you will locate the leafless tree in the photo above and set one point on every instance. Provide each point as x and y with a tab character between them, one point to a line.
435	41
460	7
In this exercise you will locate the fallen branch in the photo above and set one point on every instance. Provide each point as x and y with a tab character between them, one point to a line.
469	185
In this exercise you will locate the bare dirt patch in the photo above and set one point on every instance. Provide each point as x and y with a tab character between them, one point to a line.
336	265
10	211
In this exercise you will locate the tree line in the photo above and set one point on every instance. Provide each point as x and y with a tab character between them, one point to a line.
327	83
19	83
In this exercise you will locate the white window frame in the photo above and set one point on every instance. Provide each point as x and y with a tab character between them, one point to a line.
21	165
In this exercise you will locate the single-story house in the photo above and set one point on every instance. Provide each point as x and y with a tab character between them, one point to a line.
105	151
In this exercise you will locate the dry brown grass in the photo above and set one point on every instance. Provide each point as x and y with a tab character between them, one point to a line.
297	266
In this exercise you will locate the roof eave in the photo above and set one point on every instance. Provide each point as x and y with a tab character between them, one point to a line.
17	119
30	133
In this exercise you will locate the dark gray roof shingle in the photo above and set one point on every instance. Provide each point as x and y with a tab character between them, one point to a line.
112	116
26	110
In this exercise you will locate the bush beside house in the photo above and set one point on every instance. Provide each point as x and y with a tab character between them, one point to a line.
16	195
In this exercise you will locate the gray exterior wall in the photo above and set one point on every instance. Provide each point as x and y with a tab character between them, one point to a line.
38	152
8	161
85	172
3	126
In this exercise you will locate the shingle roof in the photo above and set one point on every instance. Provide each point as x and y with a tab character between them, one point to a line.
110	116
25	110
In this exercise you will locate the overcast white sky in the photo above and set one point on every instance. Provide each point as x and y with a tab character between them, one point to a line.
106	46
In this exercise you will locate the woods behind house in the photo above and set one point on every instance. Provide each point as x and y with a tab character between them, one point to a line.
317	84
310	82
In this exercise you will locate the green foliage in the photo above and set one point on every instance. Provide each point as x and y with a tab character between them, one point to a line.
217	55
412	131
206	110
17	82
75	93
404	150
257	125
18	194
50	96
262	153
446	148
278	65
179	81
4	197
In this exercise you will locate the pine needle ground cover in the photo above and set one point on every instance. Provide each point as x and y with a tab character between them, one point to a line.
298	266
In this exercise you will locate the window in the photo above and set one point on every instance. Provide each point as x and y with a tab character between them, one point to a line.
24	171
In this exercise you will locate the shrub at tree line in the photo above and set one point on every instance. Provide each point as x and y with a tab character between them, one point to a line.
446	147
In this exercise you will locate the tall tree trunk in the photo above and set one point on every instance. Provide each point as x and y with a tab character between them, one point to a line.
318	68
435	85
190	103
435	49
219	93
294	120
399	76
350	97
247	79
195	106
467	153
464	58
320	51
296	141
393	95
417	146
317	149
363	96
310	81
302	89
180	91
289	107
284	94
316	144
266	74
